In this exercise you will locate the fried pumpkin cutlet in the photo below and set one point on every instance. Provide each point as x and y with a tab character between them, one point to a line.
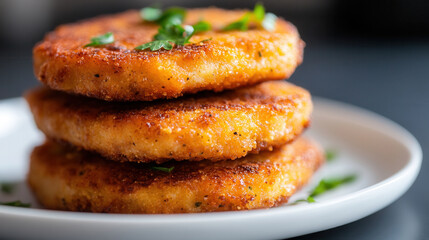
220	126
65	179
118	72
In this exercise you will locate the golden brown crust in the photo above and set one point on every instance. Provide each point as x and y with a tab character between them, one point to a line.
220	126
65	179
118	72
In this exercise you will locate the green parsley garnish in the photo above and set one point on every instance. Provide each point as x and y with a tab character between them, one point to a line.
331	183
174	33
310	199
7	188
150	14
156	45
258	16
101	40
171	16
205	40
327	185
330	155
169	35
242	24
16	204
299	201
259	12
174	16
164	169
201	26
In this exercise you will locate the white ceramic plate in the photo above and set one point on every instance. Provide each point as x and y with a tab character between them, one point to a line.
385	157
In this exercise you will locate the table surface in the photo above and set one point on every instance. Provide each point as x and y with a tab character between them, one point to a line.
391	79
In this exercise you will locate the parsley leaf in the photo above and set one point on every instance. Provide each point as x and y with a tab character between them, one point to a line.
167	36
206	40
201	26
150	14
171	16
164	169
258	16
170	32
16	204
101	40
259	12
326	185
299	201
310	199
7	188
331	183
241	24
174	34
156	45
330	155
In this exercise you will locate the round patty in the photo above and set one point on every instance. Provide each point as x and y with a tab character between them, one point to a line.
118	72
221	126
65	179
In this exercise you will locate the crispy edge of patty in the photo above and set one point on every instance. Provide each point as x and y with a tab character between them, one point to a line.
221	126
65	179
117	72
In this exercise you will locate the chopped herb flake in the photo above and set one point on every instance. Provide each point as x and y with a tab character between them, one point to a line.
242	24
330	155
150	14
299	201
206	40
16	204
171	35
258	16
171	32
7	188
197	204
156	45
171	16
101	40
259	12
164	169
310	199
201	26
328	184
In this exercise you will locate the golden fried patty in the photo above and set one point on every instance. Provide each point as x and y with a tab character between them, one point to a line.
65	179
118	72
212	126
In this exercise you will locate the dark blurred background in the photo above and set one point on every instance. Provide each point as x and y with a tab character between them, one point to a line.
374	54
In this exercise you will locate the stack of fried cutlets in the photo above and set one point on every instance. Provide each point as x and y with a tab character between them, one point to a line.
195	128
